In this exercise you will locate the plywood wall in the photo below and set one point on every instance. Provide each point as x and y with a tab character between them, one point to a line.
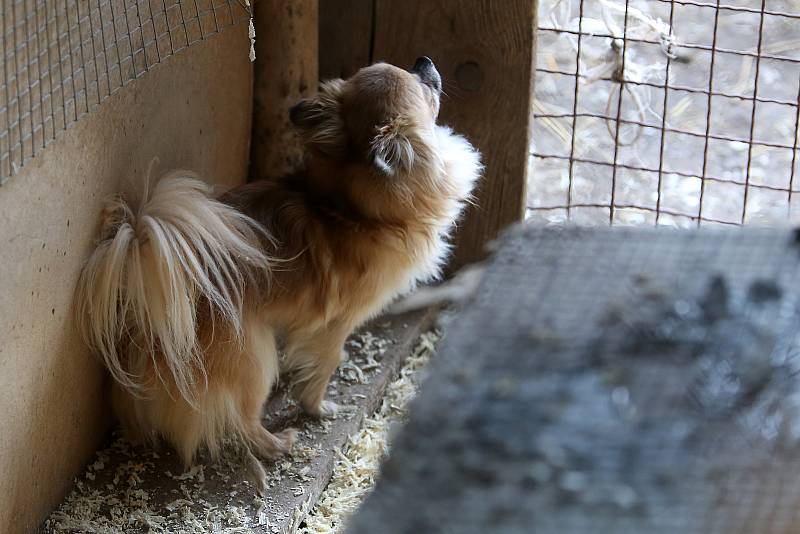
193	111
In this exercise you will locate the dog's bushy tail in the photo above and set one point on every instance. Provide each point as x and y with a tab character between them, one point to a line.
182	253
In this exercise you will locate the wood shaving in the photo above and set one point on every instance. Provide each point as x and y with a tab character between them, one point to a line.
367	350
125	505
357	466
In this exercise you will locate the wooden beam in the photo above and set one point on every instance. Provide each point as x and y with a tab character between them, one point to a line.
345	37
484	51
286	69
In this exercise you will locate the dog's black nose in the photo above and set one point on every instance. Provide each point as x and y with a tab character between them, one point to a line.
422	63
425	69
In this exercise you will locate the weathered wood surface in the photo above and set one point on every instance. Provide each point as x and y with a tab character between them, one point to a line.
151	487
285	70
345	37
611	381
485	52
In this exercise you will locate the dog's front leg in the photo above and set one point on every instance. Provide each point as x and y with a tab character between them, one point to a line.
314	358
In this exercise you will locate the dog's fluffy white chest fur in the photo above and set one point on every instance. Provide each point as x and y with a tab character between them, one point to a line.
461	166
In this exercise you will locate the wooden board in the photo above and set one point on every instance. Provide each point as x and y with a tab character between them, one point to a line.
345	37
484	51
285	70
142	479
610	381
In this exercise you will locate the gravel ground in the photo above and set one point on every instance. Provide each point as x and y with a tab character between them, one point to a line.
640	146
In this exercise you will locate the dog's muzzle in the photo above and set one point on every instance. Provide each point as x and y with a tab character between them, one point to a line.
425	69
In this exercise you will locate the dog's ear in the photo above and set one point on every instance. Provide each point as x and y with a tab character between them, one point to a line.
318	120
391	149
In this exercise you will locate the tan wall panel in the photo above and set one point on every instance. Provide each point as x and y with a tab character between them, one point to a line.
193	111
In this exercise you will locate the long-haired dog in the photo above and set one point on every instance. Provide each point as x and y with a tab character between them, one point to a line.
188	298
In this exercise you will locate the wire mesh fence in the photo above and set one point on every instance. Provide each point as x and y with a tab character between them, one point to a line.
59	59
675	112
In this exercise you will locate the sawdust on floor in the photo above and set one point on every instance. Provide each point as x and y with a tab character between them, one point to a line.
122	503
357	466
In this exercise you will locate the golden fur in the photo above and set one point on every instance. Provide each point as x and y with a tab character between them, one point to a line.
188	299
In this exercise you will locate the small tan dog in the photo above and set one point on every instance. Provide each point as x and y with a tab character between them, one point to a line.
188	298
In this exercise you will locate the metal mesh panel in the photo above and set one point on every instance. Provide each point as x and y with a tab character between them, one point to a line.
586	387
60	58
667	112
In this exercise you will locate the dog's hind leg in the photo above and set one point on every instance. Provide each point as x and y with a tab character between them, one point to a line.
258	372
256	471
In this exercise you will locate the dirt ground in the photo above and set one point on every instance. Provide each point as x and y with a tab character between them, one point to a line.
723	199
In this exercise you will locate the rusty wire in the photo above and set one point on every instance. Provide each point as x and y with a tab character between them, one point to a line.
705	134
62	58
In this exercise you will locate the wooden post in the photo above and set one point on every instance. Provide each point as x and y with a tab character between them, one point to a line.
286	69
484	51
345	37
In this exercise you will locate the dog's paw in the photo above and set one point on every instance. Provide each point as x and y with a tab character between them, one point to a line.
330	410
286	439
256	472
